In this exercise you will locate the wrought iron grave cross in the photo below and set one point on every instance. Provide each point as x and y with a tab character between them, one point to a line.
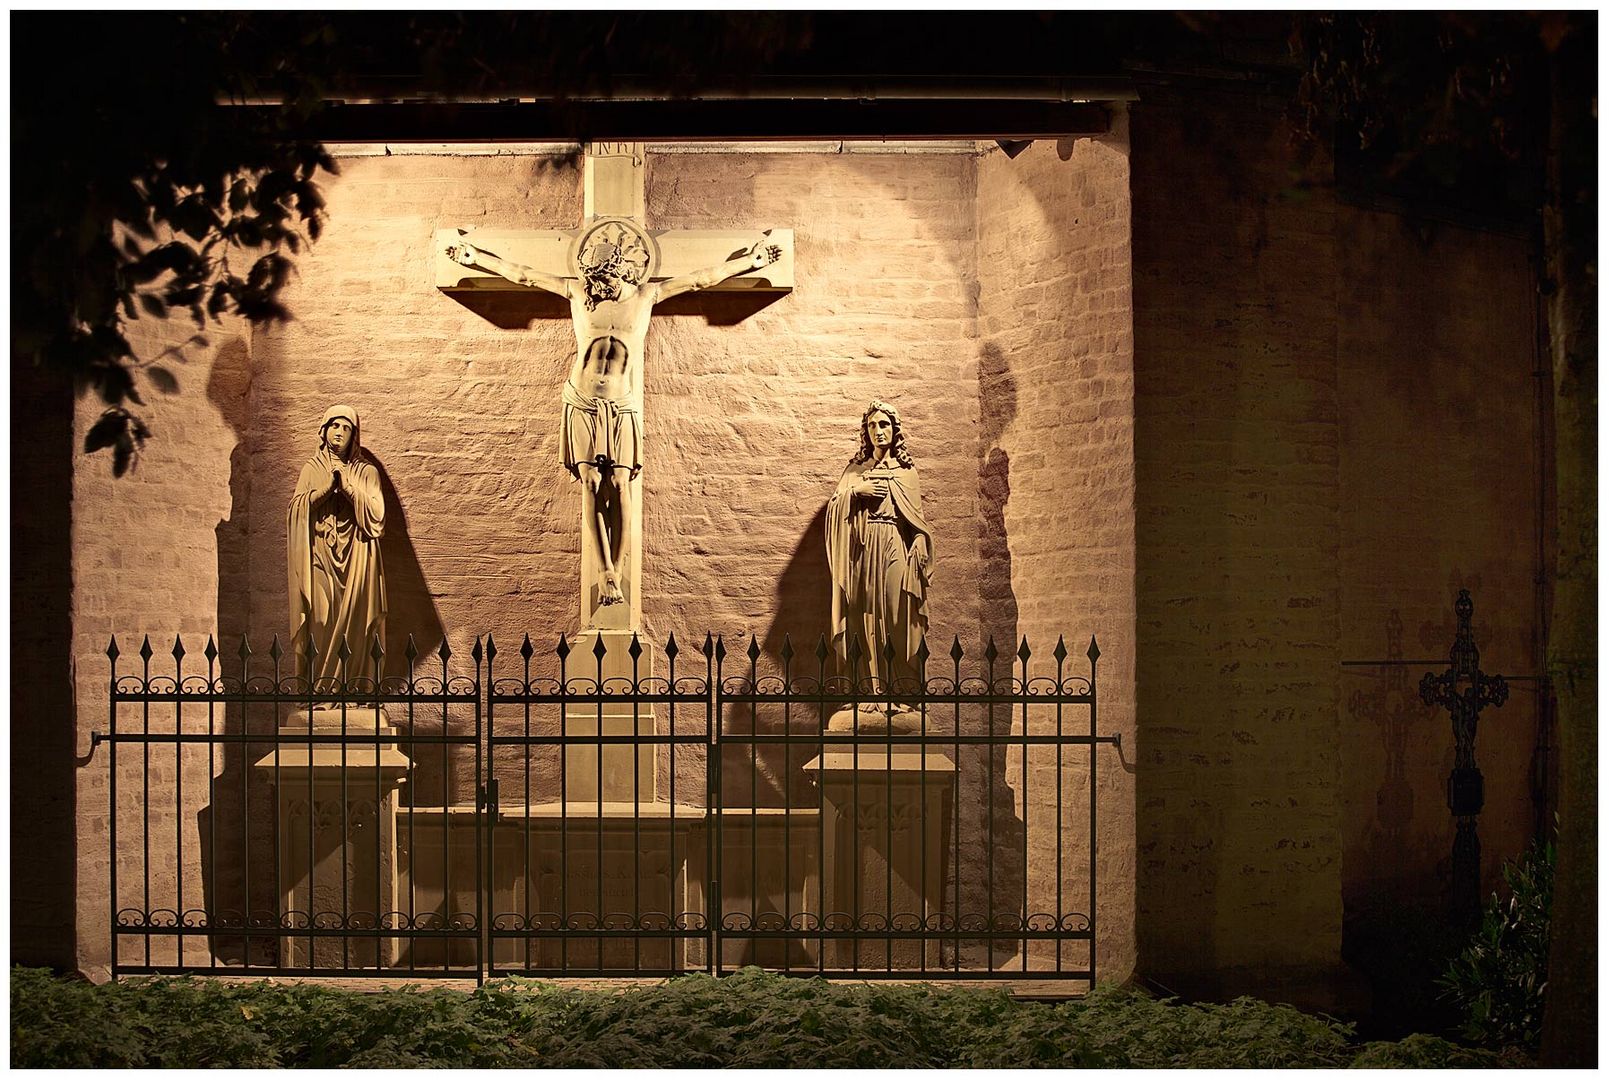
1464	690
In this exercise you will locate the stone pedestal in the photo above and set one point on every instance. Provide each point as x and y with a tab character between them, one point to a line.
886	846
628	772
337	839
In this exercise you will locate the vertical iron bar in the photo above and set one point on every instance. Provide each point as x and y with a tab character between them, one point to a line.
283	947
711	801
279	801
525	860
754	799
677	944
921	795
989	811
1026	805
564	820
636	811
178	791
446	811
212	816
145	804
787	805
487	809
1093	747
955	807
854	798
381	911
598	916
1061	658
111	828
346	831
821	805
312	807
413	848
480	791
718	905
888	811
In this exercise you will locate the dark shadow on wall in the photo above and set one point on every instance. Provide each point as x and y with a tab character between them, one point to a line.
803	608
237	826
44	842
984	782
774	776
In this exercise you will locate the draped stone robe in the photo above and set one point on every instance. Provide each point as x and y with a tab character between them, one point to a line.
337	583
876	550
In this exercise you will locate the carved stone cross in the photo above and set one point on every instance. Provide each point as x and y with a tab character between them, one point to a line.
609	336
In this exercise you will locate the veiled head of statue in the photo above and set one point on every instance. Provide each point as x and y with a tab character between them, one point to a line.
339	431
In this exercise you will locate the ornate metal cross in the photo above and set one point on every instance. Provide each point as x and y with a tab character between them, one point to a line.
1464	690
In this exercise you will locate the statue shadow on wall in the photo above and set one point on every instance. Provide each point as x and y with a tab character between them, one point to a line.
983	771
774	776
236	826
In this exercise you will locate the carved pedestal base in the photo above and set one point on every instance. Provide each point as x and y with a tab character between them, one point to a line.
886	849
336	829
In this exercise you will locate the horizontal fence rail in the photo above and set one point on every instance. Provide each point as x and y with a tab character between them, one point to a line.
603	808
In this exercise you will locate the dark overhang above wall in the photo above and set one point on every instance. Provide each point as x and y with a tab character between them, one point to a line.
774	109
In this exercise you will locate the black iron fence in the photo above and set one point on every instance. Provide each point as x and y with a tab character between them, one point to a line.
605	808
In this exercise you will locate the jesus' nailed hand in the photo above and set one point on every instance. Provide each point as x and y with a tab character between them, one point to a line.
612	299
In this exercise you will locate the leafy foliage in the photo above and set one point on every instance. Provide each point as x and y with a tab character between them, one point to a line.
1420	1051
748	1020
138	196
1444	108
1500	979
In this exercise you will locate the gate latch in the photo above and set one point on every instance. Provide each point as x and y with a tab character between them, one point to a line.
488	797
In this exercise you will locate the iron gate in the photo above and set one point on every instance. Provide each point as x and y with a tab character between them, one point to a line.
618	812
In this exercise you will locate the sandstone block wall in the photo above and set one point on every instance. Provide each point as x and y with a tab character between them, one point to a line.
1335	430
149	558
752	415
1056	485
1237	534
1439	448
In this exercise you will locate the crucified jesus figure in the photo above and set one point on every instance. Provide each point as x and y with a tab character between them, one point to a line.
612	299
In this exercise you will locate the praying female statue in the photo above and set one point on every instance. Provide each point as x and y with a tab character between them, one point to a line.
880	552
337	585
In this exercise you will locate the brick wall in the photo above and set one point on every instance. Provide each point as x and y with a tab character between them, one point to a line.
1237	534
149	557
1335	430
1056	480
1439	480
750	423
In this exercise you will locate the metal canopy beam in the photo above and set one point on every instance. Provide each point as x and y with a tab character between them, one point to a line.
727	119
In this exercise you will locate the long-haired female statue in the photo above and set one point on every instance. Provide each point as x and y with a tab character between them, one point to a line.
880	552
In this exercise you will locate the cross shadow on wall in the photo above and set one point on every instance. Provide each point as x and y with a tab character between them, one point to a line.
237	827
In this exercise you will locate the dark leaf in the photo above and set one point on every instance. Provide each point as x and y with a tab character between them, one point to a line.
163	380
105	431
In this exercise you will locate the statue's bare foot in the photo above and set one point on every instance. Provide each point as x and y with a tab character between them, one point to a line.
611	588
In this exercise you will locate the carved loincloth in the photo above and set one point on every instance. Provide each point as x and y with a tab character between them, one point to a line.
600	431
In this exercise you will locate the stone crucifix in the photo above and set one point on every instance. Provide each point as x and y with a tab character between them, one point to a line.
613	271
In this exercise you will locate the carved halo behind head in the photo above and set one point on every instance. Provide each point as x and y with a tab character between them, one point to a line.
614	248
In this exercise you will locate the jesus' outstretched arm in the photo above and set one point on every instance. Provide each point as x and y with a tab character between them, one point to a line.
466	253
763	253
